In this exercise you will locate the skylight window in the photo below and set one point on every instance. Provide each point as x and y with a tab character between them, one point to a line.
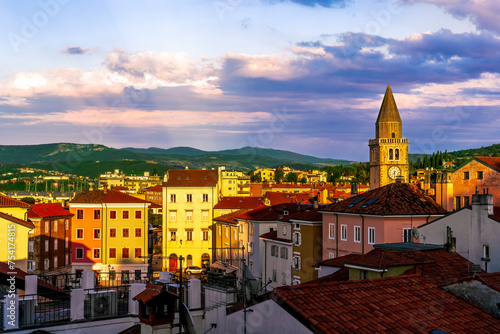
356	201
370	201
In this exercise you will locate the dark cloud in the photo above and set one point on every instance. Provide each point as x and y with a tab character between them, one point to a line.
75	50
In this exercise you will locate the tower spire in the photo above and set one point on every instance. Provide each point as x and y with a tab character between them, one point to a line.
388	122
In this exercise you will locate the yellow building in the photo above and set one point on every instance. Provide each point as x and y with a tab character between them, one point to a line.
14	229
135	183
188	200
389	150
266	174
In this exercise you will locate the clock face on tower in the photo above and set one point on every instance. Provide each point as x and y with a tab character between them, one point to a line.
394	172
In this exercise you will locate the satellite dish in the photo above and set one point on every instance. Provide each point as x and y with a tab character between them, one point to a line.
415	232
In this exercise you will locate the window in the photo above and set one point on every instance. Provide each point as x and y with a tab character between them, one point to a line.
79	233
137	275
296	262
173	198
396	154
466	175
125	232
189	235
235	234
31	246
138	253
97	253
55	225
189	216
173	216
189	198
205	235
79	253
47	224
250	228
138	214
31	265
274	250
363	274
284	253
97	233
138	232
331	231
125	214
112	253
173	235
331	255
46	245
283	278
205	198
250	246
357	234
407	235
125	254
479	174
275	274
391	154
458	203
486	253
79	214
466	201
56	243
66	242
112	232
97	214
226	231
297	238
204	216
343	232
112	214
371	235
46	264
283	230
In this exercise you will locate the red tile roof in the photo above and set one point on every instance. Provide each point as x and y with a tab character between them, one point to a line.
99	196
8	201
277	197
157	188
231	217
273	235
491	161
287	186
270	213
239	202
48	210
15	220
392	199
338	261
403	304
119	188
151	292
310	215
191	178
380	258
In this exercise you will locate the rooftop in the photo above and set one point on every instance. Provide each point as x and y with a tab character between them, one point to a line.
6	201
231	217
15	220
273	235
48	210
272	213
392	199
191	178
99	196
240	202
403	304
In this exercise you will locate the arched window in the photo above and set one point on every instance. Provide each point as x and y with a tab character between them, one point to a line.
189	261
391	154
393	135
205	260
396	154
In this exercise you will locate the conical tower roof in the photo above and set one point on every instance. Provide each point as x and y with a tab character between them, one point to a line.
388	111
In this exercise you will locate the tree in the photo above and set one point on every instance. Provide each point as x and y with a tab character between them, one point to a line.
278	175
291	177
303	180
256	178
29	200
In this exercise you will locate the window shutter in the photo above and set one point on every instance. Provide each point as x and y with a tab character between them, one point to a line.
300	239
201	198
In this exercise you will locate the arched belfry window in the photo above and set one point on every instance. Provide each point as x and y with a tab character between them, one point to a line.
393	135
391	154
396	154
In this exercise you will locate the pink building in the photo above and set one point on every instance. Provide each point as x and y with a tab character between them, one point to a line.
384	215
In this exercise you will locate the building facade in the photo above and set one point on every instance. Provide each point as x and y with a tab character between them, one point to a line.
389	150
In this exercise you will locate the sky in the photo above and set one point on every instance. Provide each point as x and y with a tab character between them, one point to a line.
297	75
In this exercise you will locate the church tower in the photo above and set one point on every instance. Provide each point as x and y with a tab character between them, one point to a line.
389	150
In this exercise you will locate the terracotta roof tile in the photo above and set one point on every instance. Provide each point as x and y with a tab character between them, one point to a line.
392	199
99	196
492	161
48	210
278	198
152	291
239	202
271	213
157	188
191	178
308	215
231	217
15	220
8	201
403	304
273	235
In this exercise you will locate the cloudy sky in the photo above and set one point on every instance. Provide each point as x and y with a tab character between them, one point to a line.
305	76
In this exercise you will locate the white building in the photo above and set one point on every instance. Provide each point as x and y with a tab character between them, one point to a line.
475	230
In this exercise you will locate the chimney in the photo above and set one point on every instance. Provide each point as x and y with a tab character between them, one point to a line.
483	202
354	189
106	189
315	203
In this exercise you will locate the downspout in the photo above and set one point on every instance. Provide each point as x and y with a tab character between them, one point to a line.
337	235
104	234
363	234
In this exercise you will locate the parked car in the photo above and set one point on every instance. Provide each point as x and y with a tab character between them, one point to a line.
195	270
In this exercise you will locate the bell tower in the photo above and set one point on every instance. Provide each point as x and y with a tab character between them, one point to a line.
389	150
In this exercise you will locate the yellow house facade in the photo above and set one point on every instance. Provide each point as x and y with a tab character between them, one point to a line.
14	230
188	200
